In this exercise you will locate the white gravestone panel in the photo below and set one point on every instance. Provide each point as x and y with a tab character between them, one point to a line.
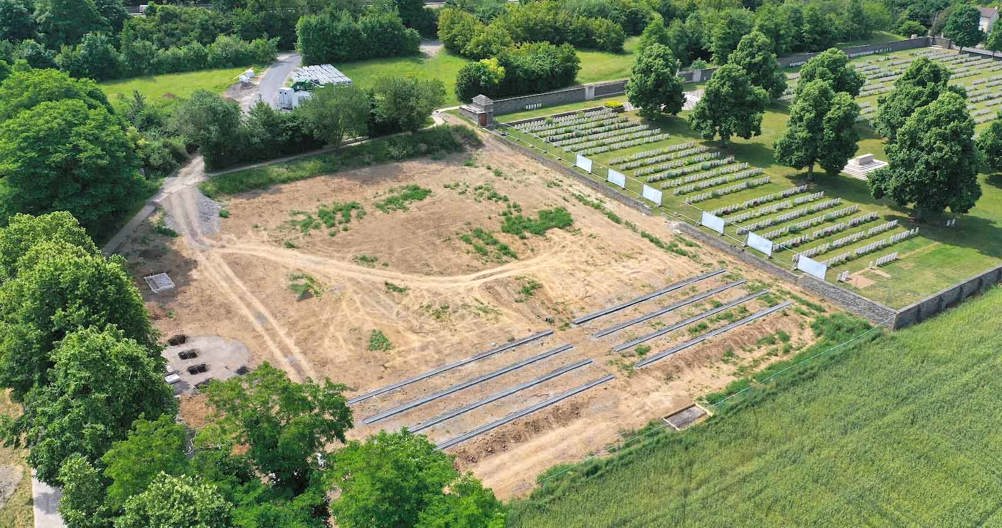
713	222
812	267
760	243
617	178
583	163
652	194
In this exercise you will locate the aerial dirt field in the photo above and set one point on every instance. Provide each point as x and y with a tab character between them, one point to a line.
387	288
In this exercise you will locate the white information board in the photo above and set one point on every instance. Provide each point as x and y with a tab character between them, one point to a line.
760	243
713	222
652	194
583	163
617	178
812	267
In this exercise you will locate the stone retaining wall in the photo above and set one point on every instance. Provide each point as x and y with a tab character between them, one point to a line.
947	298
798	59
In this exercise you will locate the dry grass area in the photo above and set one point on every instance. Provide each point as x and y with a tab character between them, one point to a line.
15	479
390	294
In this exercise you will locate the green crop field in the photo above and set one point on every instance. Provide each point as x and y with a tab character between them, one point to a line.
172	86
934	259
595	66
899	431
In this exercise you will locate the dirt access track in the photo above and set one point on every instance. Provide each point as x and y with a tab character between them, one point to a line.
393	294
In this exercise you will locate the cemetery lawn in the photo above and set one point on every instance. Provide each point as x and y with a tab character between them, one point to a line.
935	259
172	86
898	431
595	66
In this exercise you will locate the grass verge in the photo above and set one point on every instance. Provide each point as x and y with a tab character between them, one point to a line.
433	142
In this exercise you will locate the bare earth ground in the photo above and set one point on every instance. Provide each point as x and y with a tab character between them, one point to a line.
457	303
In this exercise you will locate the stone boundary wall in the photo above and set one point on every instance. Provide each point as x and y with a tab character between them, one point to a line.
947	298
872	311
557	166
574	94
798	59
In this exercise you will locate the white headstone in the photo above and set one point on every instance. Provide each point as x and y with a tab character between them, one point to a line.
713	222
617	178
652	194
812	267
760	243
583	163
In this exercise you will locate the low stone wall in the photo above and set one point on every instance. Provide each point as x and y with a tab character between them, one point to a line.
798	59
947	298
574	94
872	311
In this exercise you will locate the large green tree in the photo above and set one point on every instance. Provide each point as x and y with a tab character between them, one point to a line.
832	65
404	103
731	106
99	384
963	26
821	130
152	447
990	145
61	288
25	89
23	232
334	113
16	21
755	54
934	162
62	155
82	503
177	502
728	27
654	86
391	478
468	504
284	425
921	84
67	21
994	39
212	123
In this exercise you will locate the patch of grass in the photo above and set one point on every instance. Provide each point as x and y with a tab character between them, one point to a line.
438	140
17	513
642	350
160	227
393	288
334	217
528	289
546	219
378	342
400	197
486	245
172	86
367	260
305	285
224	213
486	192
670	247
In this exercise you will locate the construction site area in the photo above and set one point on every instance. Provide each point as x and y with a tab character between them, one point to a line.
510	313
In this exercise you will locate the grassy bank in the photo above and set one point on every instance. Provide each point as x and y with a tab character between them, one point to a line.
16	513
433	142
899	431
172	86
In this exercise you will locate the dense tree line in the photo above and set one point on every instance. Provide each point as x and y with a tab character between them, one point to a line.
226	136
338	36
520	69
79	354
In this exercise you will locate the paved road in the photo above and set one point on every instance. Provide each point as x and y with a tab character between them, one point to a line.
45	502
276	74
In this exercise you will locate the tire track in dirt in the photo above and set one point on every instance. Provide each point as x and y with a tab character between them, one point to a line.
182	205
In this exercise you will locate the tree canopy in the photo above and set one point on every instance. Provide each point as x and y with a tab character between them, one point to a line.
963	26
24	232
921	84
832	65
755	55
177	502
821	130
395	480
152	447
62	155
25	89
284	425
990	145
336	112
404	103
654	86
934	161
61	288
99	384
731	106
